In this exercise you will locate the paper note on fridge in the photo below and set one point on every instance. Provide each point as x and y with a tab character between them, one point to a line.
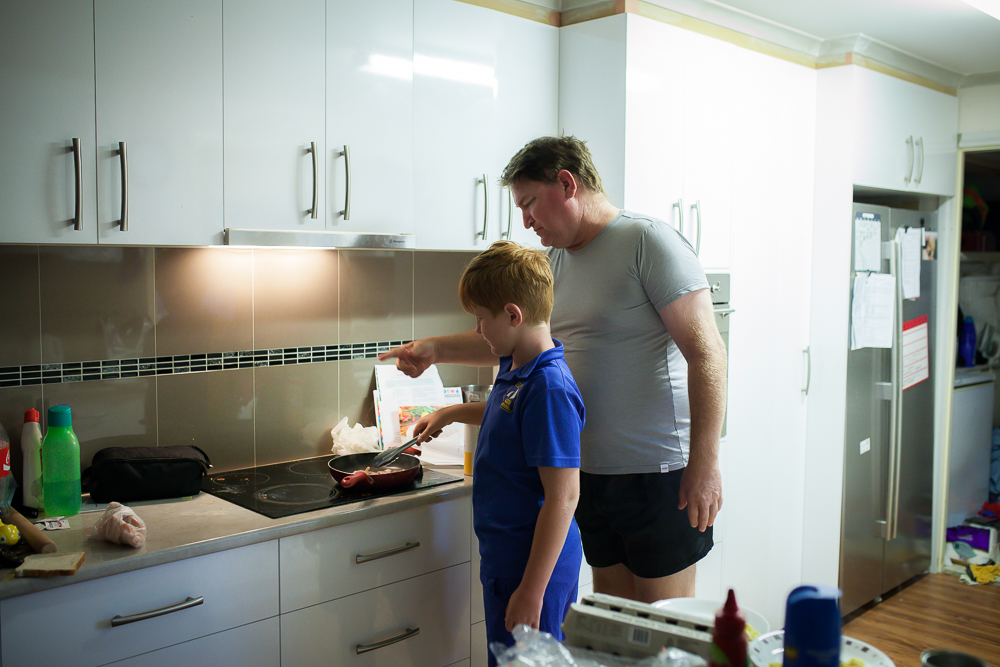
910	240
872	308
916	360
867	242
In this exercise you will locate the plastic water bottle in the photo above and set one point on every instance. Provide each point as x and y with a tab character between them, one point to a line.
31	456
967	342
61	464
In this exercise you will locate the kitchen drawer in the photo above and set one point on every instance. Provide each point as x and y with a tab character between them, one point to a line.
330	633
323	565
239	586
253	645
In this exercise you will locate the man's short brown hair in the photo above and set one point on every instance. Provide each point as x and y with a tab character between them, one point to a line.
507	272
543	158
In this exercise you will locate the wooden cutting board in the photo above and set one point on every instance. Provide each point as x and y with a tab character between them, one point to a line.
50	565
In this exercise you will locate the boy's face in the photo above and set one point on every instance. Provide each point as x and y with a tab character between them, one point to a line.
496	329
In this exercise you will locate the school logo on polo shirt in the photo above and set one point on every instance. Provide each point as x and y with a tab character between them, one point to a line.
508	399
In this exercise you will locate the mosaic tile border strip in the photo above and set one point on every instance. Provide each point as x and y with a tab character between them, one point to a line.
114	369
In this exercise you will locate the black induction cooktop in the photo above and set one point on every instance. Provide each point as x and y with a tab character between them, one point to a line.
304	485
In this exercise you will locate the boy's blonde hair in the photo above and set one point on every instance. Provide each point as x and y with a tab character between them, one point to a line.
507	272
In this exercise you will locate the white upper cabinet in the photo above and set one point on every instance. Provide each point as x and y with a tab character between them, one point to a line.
906	135
661	129
159	93
47	79
527	105
369	110
484	84
275	78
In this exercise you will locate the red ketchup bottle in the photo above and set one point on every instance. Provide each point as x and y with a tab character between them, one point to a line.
729	638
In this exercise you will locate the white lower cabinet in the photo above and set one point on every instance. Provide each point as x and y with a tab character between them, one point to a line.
422	621
479	656
237	587
253	645
334	562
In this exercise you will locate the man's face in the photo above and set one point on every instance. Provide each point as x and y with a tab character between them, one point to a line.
545	209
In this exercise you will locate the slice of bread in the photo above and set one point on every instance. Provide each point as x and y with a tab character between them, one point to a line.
50	565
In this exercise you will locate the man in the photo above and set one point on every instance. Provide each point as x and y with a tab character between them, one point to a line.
633	310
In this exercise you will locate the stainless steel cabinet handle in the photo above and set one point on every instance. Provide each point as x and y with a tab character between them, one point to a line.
909	169
135	618
347	181
510	214
405	634
486	206
78	168
920	167
364	558
809	369
697	209
314	211
679	205
123	223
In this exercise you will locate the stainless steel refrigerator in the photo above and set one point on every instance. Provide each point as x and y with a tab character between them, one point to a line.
889	437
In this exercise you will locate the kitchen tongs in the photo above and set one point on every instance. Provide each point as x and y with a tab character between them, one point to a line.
389	455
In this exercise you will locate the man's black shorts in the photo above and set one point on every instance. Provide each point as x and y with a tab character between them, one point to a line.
634	520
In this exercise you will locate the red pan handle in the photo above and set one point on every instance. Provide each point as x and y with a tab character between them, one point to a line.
355	478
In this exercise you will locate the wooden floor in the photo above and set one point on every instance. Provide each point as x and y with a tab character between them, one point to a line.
937	611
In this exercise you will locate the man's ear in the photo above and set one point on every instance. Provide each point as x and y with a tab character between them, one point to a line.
567	182
514	315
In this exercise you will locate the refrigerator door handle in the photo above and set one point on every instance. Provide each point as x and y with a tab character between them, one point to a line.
896	407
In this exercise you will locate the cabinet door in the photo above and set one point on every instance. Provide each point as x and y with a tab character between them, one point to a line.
654	125
709	110
253	645
427	616
454	115
275	78
159	90
331	563
527	106
237	587
906	136
47	79
763	469
369	109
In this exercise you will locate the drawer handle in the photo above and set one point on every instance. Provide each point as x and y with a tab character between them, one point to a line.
364	558
134	618
405	634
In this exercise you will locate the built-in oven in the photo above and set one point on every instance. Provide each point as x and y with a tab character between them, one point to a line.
718	285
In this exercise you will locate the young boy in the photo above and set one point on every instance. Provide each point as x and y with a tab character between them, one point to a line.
527	461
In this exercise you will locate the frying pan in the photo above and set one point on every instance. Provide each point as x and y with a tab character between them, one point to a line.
397	473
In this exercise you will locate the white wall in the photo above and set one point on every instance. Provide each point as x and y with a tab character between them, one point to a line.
979	109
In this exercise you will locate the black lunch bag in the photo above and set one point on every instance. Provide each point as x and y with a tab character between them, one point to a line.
126	474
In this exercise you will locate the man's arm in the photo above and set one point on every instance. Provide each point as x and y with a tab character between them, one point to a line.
690	321
562	491
467	349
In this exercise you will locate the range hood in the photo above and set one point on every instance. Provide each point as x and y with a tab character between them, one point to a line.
282	238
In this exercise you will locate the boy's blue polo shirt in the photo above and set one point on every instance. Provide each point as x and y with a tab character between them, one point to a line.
533	419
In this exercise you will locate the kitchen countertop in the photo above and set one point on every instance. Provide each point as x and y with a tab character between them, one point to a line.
187	527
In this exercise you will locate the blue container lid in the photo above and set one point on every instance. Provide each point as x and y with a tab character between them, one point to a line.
59	415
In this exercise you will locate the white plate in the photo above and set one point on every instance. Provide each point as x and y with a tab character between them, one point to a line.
708	608
770	648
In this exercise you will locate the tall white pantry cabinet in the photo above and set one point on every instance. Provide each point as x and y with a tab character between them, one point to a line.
685	126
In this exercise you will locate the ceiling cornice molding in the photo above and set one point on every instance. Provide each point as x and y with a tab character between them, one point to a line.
986	79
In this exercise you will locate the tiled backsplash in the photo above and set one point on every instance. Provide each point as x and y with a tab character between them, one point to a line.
252	355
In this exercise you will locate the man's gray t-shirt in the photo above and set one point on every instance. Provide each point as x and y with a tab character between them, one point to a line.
631	374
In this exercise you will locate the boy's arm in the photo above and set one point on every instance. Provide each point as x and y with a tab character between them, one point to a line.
467	349
562	491
430	425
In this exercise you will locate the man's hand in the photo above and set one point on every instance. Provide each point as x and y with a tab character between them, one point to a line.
413	358
524	607
701	493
